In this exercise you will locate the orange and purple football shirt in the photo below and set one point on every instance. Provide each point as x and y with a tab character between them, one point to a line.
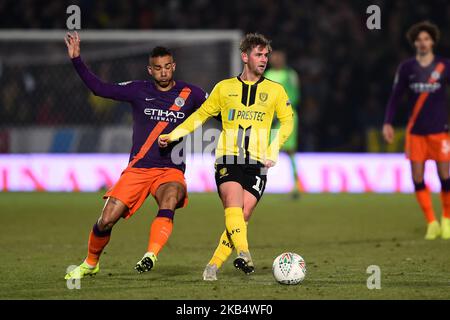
154	112
425	87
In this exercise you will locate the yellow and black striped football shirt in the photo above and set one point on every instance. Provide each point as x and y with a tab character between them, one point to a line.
247	110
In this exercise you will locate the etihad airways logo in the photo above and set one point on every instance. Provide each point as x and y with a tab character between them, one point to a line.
420	87
164	115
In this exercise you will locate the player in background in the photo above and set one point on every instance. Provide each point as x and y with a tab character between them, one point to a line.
424	78
246	104
288	78
158	106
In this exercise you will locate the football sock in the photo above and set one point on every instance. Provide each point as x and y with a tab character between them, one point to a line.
97	242
297	183
237	228
445	198
423	196
160	230
223	251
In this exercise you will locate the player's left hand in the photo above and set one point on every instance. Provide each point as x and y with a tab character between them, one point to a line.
163	140
269	164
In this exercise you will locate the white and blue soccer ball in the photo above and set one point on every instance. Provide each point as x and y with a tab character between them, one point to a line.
289	268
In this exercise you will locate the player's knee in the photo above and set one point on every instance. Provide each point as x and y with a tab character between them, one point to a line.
106	223
102	226
108	218
169	202
443	175
170	195
231	199
418	179
171	198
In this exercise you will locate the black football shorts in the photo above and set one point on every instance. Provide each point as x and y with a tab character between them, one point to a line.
251	176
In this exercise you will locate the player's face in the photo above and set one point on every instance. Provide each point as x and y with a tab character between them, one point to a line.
424	43
162	69
257	60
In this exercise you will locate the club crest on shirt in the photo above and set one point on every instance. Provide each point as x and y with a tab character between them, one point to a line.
263	96
179	102
435	75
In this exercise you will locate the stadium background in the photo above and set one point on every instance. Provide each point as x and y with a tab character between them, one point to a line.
55	136
346	73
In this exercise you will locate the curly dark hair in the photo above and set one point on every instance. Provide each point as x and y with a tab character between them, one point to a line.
426	26
253	40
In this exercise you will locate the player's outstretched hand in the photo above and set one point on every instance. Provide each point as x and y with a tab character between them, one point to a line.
73	44
388	133
163	140
269	164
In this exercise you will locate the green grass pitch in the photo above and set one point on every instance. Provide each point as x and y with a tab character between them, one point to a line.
339	236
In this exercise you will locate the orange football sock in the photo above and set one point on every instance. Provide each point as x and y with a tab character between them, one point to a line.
445	199
97	242
160	231
424	199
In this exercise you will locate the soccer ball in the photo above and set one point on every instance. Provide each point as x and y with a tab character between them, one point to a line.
289	268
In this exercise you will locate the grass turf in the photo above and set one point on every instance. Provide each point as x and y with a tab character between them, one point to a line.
339	236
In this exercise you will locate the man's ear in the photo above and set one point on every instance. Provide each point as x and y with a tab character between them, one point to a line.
149	69
174	66
244	57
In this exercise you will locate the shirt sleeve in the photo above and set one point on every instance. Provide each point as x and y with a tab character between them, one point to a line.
125	91
285	115
210	108
400	85
200	97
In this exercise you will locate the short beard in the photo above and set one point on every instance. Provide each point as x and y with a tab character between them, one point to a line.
164	84
256	71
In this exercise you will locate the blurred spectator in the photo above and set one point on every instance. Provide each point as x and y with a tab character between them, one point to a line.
105	110
48	113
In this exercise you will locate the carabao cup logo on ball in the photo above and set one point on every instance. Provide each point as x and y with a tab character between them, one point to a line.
289	268
285	263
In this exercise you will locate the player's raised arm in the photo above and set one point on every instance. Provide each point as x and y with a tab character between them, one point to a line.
123	92
210	108
400	85
72	41
286	117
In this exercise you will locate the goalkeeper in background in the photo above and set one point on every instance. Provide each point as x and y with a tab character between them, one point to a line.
288	78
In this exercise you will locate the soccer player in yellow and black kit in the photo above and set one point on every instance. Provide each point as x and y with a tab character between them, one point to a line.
246	104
